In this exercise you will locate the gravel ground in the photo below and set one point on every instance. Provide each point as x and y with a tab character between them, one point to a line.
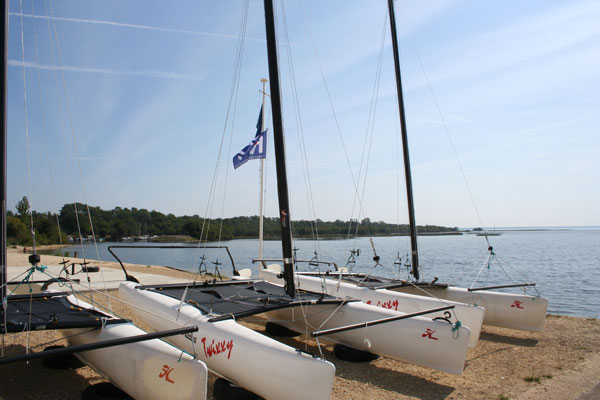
562	362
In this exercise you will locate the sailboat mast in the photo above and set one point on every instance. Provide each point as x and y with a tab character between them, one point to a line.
262	175
4	50
407	174
278	140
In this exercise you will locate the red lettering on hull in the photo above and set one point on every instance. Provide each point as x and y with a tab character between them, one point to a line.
390	305
218	347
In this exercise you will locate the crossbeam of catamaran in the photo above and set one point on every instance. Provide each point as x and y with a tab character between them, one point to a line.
366	324
97	345
500	287
371	292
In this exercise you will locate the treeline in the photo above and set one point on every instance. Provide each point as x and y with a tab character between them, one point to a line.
118	223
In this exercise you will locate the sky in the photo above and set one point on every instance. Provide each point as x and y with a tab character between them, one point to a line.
130	106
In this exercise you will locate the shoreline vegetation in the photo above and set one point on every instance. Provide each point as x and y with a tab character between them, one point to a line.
559	363
124	224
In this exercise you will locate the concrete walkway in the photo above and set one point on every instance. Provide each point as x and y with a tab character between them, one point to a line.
106	278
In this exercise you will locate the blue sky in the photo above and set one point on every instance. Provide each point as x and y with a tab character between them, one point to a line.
148	84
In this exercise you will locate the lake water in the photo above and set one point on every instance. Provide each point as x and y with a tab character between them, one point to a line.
564	263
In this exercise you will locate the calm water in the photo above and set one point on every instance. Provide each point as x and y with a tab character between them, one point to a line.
565	263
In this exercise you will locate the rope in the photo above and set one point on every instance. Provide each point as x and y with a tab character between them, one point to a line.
337	124
300	129
205	228
369	133
445	125
26	116
234	94
455	329
45	125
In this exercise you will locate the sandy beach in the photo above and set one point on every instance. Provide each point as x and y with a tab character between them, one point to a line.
562	362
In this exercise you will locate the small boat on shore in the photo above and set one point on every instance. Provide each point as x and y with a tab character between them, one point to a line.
263	365
140	364
371	293
502	309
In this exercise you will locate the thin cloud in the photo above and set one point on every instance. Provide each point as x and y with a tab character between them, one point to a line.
134	26
147	74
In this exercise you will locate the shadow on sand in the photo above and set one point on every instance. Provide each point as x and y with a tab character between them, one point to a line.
32	380
516	341
371	374
394	381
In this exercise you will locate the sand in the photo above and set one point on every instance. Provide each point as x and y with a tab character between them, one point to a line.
562	362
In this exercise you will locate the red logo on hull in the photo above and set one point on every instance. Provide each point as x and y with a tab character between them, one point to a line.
429	334
165	373
517	304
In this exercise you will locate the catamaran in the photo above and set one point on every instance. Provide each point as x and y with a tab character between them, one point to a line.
338	285
516	311
138	363
232	350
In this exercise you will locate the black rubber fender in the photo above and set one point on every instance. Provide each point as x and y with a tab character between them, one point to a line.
68	361
104	391
346	353
273	329
225	390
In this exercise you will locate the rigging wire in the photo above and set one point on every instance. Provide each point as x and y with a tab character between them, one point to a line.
303	153
235	93
359	192
62	125
76	148
45	128
26	116
448	135
25	113
211	196
370	125
371	120
205	229
337	124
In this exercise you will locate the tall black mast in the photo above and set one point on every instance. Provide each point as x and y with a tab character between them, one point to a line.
408	178
4	50
278	140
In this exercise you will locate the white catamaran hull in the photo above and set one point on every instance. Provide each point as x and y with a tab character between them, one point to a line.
505	310
150	369
249	359
468	315
417	340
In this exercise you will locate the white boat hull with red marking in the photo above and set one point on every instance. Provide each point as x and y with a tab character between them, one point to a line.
505	310
247	358
150	369
468	315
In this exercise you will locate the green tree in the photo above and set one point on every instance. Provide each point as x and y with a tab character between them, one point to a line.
23	208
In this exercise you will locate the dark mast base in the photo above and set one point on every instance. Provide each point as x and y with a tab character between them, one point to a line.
273	329
346	353
225	390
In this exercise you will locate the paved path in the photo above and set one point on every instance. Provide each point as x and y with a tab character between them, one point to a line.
108	278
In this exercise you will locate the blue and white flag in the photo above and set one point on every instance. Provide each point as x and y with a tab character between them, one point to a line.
257	147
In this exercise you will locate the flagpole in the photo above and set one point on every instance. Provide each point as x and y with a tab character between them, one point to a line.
262	176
